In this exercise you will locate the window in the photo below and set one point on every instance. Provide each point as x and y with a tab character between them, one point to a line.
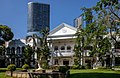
56	62
12	60
68	47
117	45
18	50
8	50
56	48
13	50
62	47
23	49
65	62
18	61
117	61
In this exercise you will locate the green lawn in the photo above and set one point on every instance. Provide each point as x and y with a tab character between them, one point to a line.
2	75
94	74
87	73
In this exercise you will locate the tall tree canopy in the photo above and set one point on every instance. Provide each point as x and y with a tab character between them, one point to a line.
109	10
102	29
5	33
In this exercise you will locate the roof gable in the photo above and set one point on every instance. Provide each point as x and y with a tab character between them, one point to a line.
63	29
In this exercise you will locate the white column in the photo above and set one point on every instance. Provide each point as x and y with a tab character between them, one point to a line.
51	46
104	62
113	61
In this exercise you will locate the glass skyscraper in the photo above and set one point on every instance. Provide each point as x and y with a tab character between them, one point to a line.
38	17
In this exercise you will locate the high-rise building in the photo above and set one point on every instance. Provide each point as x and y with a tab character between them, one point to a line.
78	22
38	17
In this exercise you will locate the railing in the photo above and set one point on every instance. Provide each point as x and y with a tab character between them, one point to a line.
69	51
62	53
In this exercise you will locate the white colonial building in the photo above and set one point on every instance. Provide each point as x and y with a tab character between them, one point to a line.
61	41
14	52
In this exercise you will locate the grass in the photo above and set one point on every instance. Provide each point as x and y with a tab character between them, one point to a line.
86	73
90	73
2	75
7	69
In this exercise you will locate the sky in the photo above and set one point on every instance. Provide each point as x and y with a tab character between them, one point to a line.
13	13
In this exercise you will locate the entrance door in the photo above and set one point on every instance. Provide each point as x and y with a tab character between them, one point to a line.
2	63
65	62
117	61
108	60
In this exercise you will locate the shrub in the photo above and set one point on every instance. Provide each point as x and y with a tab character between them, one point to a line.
116	67
3	69
88	66
102	67
75	67
63	69
45	65
82	67
11	67
54	67
25	66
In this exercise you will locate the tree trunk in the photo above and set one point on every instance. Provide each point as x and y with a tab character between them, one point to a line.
39	65
11	73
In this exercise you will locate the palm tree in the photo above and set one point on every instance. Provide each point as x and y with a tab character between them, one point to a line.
28	52
43	50
31	50
40	47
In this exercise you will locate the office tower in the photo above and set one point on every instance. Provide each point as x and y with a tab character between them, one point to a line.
78	22
38	17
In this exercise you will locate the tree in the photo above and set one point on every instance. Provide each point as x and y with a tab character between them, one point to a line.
2	50
79	46
110	10
104	28
35	44
40	47
11	68
94	35
43	51
5	35
28	52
